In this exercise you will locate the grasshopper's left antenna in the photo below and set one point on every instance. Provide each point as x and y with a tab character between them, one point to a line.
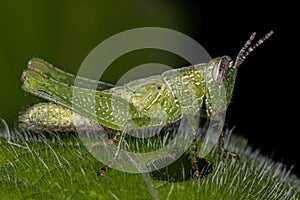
247	49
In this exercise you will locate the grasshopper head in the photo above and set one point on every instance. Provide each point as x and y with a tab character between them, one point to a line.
224	73
225	68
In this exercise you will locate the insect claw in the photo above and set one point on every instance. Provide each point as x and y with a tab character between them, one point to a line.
102	172
204	171
197	174
226	154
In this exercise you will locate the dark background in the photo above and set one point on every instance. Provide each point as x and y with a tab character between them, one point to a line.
265	104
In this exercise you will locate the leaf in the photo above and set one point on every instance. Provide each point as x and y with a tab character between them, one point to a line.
57	166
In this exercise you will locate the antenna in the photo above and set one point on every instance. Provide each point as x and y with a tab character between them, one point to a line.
247	49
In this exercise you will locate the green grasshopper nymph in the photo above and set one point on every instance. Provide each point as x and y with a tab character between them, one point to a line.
159	97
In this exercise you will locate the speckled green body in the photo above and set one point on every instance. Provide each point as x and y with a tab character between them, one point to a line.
153	101
204	89
50	117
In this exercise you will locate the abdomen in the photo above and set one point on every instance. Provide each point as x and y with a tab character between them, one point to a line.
50	117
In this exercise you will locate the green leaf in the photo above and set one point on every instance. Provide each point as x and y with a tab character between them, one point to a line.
57	166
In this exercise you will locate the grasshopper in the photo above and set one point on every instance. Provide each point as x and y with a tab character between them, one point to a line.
154	101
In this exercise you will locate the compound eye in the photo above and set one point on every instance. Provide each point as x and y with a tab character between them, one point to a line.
221	67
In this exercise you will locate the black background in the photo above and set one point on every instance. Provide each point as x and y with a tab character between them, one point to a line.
265	105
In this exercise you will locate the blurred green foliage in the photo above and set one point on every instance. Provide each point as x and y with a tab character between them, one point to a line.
64	32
